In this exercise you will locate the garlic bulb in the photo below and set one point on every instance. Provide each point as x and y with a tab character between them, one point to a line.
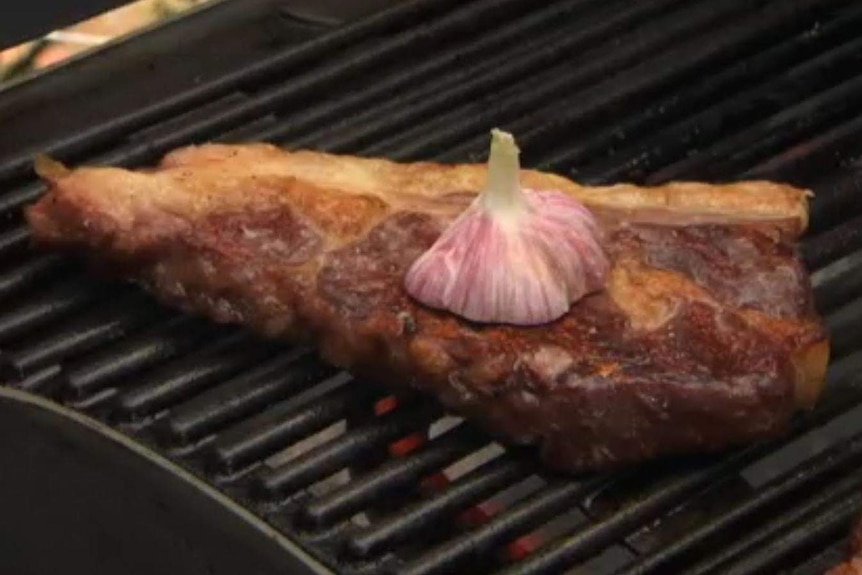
513	256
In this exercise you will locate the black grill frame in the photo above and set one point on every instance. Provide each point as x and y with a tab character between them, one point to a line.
665	88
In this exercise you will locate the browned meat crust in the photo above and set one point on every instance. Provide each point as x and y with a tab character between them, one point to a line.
854	565
706	336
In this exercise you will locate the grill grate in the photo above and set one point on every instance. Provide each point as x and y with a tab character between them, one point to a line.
603	90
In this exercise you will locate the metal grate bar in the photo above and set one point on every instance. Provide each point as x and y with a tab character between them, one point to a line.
44	382
842	286
532	97
32	271
821	562
13	200
250	131
659	72
833	244
520	62
79	335
835	199
403	15
173	123
584	543
279	426
249	392
47	306
443	101
410	521
300	88
439	72
580	545
395	475
540	125
527	515
97	371
845	329
838	457
338	453
812	155
648	133
185	377
668	145
14	240
742	150
844	388
765	548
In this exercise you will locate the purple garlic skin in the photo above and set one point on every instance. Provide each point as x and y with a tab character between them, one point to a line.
514	256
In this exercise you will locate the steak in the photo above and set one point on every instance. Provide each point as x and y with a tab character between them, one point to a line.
854	565
705	336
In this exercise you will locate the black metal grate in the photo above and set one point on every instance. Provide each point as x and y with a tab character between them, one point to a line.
604	90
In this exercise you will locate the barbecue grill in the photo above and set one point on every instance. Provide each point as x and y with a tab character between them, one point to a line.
137	440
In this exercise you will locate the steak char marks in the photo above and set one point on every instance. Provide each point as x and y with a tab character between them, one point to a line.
705	337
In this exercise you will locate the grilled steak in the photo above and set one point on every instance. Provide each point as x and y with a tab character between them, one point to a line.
854	565
705	336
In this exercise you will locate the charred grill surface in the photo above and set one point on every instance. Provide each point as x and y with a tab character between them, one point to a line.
607	91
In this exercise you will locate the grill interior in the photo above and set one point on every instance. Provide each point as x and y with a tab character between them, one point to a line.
601	90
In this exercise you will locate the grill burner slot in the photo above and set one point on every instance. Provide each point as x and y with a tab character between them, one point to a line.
603	90
341	452
391	476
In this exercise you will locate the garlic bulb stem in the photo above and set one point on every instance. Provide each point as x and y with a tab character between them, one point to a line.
514	256
502	193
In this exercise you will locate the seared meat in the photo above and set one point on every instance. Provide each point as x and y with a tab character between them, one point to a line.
854	565
705	337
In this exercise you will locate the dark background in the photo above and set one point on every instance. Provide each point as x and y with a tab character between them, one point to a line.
23	21
27	20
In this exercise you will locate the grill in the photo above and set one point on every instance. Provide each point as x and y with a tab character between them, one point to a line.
285	461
